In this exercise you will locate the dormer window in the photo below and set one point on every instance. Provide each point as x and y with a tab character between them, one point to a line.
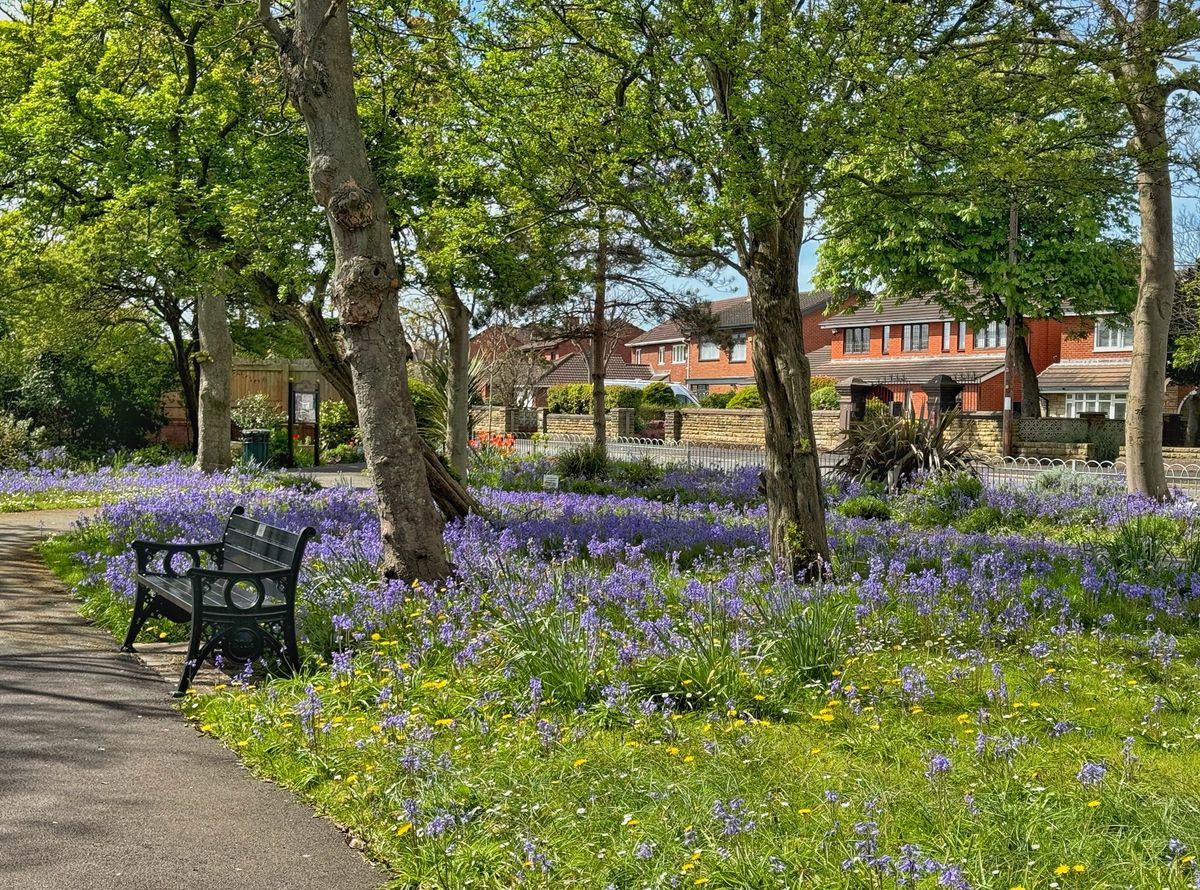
1113	334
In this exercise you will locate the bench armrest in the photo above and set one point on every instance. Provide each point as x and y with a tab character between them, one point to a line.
226	584
145	551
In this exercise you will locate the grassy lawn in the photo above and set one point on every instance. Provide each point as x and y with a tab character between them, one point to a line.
616	691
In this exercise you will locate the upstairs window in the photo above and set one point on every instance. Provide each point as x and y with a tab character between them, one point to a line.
679	353
945	336
1113	333
709	351
962	336
916	338
737	348
993	335
886	345
857	340
637	356
662	355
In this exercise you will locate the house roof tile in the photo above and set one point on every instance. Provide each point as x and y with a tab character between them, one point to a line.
573	368
906	369
1084	373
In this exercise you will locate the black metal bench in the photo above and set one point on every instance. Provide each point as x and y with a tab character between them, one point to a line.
242	604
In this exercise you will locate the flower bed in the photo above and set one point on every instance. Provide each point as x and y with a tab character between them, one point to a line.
617	691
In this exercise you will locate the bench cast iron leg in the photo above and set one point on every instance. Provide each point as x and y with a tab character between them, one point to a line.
191	664
141	611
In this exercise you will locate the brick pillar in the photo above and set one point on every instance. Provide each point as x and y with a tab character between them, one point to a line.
673	425
545	422
623	421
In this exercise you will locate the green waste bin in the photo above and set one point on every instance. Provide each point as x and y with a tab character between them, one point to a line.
256	446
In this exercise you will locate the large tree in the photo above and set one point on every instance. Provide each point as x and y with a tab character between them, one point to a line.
1148	51
999	194
733	114
318	70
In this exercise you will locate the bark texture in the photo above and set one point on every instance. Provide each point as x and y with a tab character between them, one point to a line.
1145	472
317	64
795	502
216	382
599	341
1031	391
458	378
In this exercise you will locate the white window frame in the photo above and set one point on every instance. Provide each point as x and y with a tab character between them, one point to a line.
737	348
909	340
1110	403
846	332
637	356
945	336
662	355
993	335
1122	331
886	345
679	353
709	351
962	336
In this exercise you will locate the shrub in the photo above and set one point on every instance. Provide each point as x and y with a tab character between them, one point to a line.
825	398
716	400
584	462
865	506
875	406
430	407
659	395
941	499
20	442
337	426
569	398
979	519
820	381
636	473
257	412
746	397
893	450
620	397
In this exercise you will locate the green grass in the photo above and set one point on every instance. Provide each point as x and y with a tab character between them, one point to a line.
597	786
56	499
616	797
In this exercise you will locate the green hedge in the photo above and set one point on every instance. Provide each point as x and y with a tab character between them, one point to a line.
576	398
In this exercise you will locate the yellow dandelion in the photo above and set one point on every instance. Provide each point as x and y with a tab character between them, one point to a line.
1062	869
1079	868
1093	803
404	829
580	762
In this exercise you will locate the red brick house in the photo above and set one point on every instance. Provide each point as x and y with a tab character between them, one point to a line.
1092	373
898	348
705	366
526	361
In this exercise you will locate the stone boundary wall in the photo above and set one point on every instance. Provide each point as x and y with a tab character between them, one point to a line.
1069	430
714	426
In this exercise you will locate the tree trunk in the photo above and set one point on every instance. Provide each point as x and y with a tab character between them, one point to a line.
317	64
181	357
216	382
458	378
1191	419
1145	472
795	502
1031	392
599	344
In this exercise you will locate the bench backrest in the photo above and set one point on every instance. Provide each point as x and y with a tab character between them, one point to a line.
258	547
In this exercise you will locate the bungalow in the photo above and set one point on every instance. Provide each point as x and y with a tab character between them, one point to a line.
706	366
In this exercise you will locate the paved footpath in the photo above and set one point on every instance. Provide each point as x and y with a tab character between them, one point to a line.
102	783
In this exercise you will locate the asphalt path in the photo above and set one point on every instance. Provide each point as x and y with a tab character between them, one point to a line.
102	783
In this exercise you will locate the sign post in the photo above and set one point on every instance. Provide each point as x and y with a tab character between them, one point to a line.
304	412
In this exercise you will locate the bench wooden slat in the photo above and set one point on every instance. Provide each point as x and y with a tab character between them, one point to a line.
263	532
279	553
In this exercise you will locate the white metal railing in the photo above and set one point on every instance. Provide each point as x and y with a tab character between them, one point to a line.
668	452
